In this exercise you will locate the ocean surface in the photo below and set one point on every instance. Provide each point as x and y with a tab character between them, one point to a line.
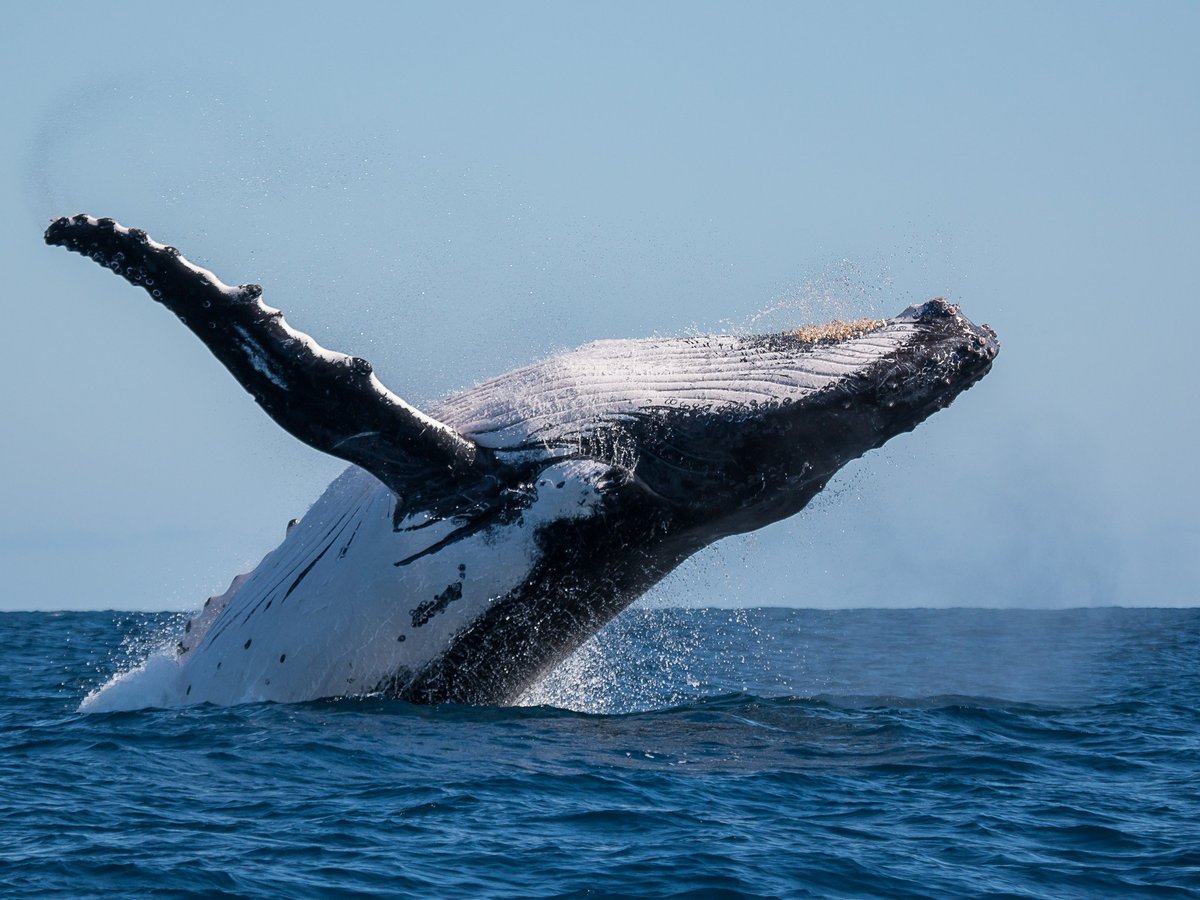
684	753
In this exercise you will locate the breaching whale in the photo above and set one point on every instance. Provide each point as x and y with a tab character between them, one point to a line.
468	550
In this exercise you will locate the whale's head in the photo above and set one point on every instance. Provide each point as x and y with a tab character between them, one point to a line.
727	433
774	417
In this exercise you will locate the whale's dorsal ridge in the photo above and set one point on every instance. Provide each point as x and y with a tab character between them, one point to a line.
329	400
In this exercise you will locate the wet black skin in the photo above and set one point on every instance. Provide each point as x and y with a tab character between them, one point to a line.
698	476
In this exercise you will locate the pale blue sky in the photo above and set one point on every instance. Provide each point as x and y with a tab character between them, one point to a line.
454	190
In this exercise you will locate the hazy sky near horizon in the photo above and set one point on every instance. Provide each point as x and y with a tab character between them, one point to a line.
452	190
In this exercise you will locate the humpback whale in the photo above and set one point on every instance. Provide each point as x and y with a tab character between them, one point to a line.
469	549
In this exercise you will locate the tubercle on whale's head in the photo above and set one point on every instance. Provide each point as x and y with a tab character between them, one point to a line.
784	454
930	354
942	354
946	355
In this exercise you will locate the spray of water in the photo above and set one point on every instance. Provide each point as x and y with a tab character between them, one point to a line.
148	646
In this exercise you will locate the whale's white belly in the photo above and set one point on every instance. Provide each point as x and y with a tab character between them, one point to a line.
330	612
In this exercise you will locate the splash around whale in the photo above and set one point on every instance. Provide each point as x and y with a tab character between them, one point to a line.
469	549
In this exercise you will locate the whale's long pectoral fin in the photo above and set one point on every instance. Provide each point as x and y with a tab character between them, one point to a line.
329	400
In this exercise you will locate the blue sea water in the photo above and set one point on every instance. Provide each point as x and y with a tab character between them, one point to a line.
685	753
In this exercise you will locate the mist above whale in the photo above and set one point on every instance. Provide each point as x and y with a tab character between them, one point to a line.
470	548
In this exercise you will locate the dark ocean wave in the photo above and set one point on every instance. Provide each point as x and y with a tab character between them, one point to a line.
700	753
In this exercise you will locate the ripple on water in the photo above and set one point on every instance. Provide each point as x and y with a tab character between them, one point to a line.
683	753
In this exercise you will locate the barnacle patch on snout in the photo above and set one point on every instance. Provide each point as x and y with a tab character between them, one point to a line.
837	330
